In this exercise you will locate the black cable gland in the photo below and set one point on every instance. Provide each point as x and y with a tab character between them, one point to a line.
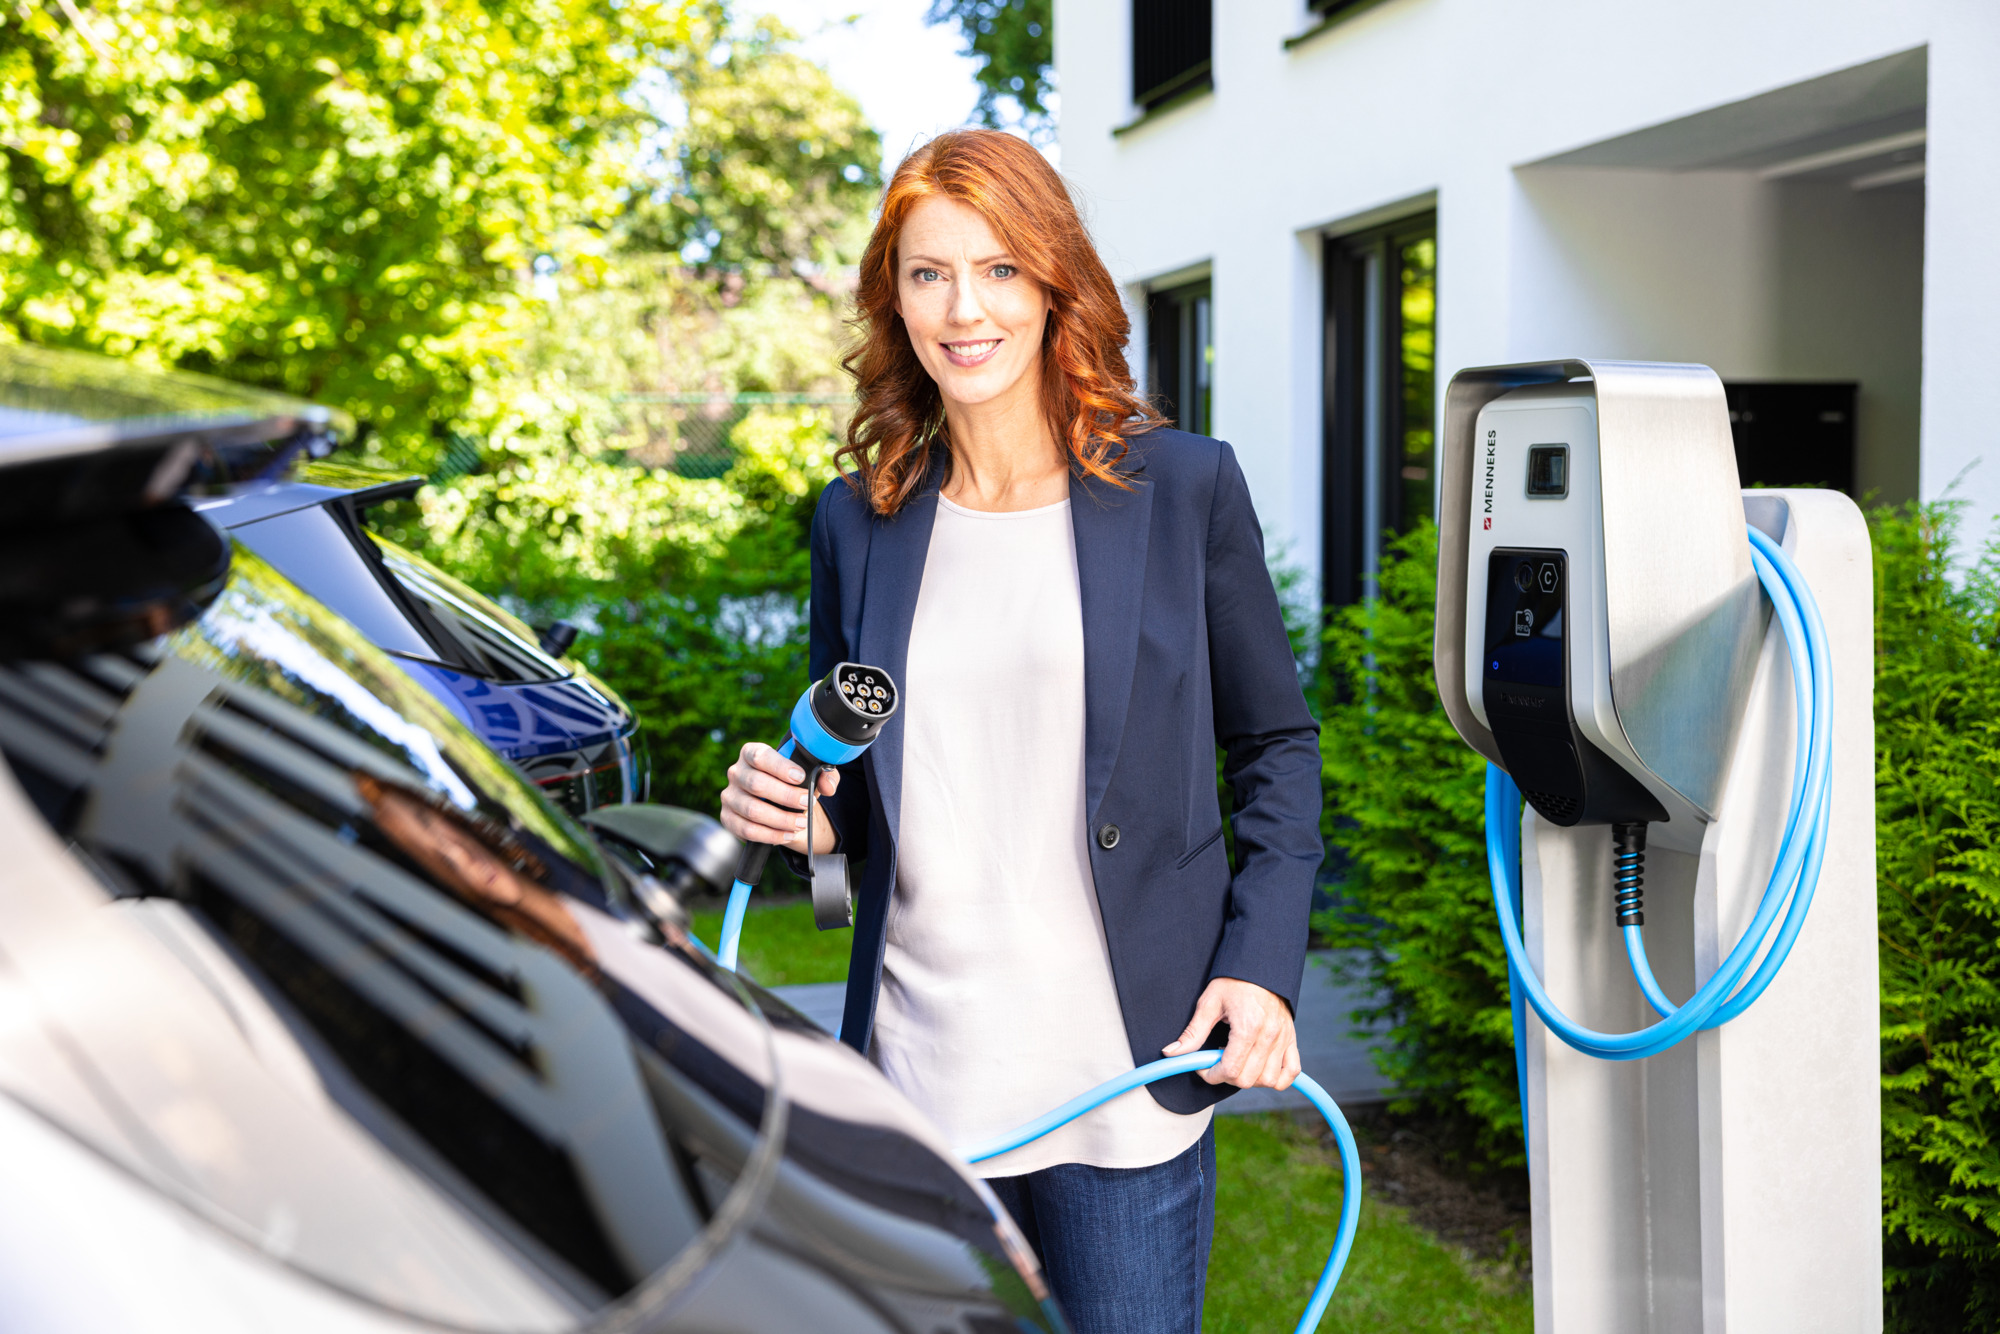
1628	872
750	866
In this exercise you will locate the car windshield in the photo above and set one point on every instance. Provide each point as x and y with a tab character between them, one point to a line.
261	633
489	642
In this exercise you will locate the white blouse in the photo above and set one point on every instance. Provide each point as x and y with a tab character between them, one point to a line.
997	1000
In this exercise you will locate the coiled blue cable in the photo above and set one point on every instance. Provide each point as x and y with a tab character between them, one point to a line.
1801	851
1343	1134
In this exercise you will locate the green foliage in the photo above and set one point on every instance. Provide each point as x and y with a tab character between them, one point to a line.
1406	808
771	173
372	203
337	197
773	170
562	529
1015	43
1277	1202
1937	737
719	660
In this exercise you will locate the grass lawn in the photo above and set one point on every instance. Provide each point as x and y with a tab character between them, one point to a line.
1277	1198
781	947
1277	1202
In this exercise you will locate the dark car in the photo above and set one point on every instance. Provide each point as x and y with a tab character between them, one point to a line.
564	728
320	1016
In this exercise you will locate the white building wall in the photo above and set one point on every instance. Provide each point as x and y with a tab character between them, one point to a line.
1761	280
1450	100
1962	260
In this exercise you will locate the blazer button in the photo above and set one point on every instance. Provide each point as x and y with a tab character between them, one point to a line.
1107	836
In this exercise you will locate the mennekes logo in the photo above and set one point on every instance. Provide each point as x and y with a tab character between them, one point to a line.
1492	466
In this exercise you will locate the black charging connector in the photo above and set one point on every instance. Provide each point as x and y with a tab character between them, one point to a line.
1628	872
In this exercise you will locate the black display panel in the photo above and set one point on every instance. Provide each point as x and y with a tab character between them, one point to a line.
1524	618
1525	674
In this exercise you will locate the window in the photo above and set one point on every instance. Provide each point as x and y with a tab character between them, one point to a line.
1380	391
1180	356
1171	44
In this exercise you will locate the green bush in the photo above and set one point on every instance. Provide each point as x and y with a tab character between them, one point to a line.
691	591
1937	742
718	658
1404	806
1404	811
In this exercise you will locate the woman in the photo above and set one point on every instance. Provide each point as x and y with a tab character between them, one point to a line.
1074	601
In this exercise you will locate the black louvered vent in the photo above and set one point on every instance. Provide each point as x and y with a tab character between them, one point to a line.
1556	808
1171	44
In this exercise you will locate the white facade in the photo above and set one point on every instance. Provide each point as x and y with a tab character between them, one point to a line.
1699	181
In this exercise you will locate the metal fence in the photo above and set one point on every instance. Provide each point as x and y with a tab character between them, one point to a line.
690	433
684	433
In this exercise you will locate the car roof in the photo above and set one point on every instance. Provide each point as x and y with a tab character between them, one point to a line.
56	403
312	483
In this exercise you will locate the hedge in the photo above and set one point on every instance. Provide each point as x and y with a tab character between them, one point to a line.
1404	814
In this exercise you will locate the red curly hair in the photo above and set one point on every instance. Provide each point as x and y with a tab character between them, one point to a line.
1092	404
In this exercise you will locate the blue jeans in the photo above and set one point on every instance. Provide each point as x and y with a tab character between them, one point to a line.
1125	1248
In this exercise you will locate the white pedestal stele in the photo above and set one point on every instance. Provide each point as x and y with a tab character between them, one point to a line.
1734	1182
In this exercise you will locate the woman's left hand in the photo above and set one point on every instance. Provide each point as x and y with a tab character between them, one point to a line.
1263	1050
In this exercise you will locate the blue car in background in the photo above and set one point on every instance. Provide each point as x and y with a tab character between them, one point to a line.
568	731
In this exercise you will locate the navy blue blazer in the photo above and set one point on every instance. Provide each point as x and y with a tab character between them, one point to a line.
1184	650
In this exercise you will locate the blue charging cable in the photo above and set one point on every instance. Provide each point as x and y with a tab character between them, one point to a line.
739	889
1343	1134
1789	891
821	737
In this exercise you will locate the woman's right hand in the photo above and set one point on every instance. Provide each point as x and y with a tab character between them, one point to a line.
765	801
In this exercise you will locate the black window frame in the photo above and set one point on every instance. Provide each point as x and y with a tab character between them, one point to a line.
1177	317
1173	50
1349	310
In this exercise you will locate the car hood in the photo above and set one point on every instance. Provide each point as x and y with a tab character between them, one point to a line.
291	948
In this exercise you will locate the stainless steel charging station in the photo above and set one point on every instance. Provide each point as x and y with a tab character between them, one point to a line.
1601	636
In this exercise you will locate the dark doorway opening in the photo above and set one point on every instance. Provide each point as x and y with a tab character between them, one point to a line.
1794	433
1380	394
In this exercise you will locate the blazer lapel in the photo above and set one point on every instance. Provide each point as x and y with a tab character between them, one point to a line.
1111	528
896	555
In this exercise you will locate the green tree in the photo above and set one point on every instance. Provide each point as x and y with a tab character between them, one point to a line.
338	197
769	178
1014	41
772	168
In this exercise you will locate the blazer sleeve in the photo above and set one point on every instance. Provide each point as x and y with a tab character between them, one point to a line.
847	810
1270	745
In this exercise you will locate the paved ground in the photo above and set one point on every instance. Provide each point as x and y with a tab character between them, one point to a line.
1339	1062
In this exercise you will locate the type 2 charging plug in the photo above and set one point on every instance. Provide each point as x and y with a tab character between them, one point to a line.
834	722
